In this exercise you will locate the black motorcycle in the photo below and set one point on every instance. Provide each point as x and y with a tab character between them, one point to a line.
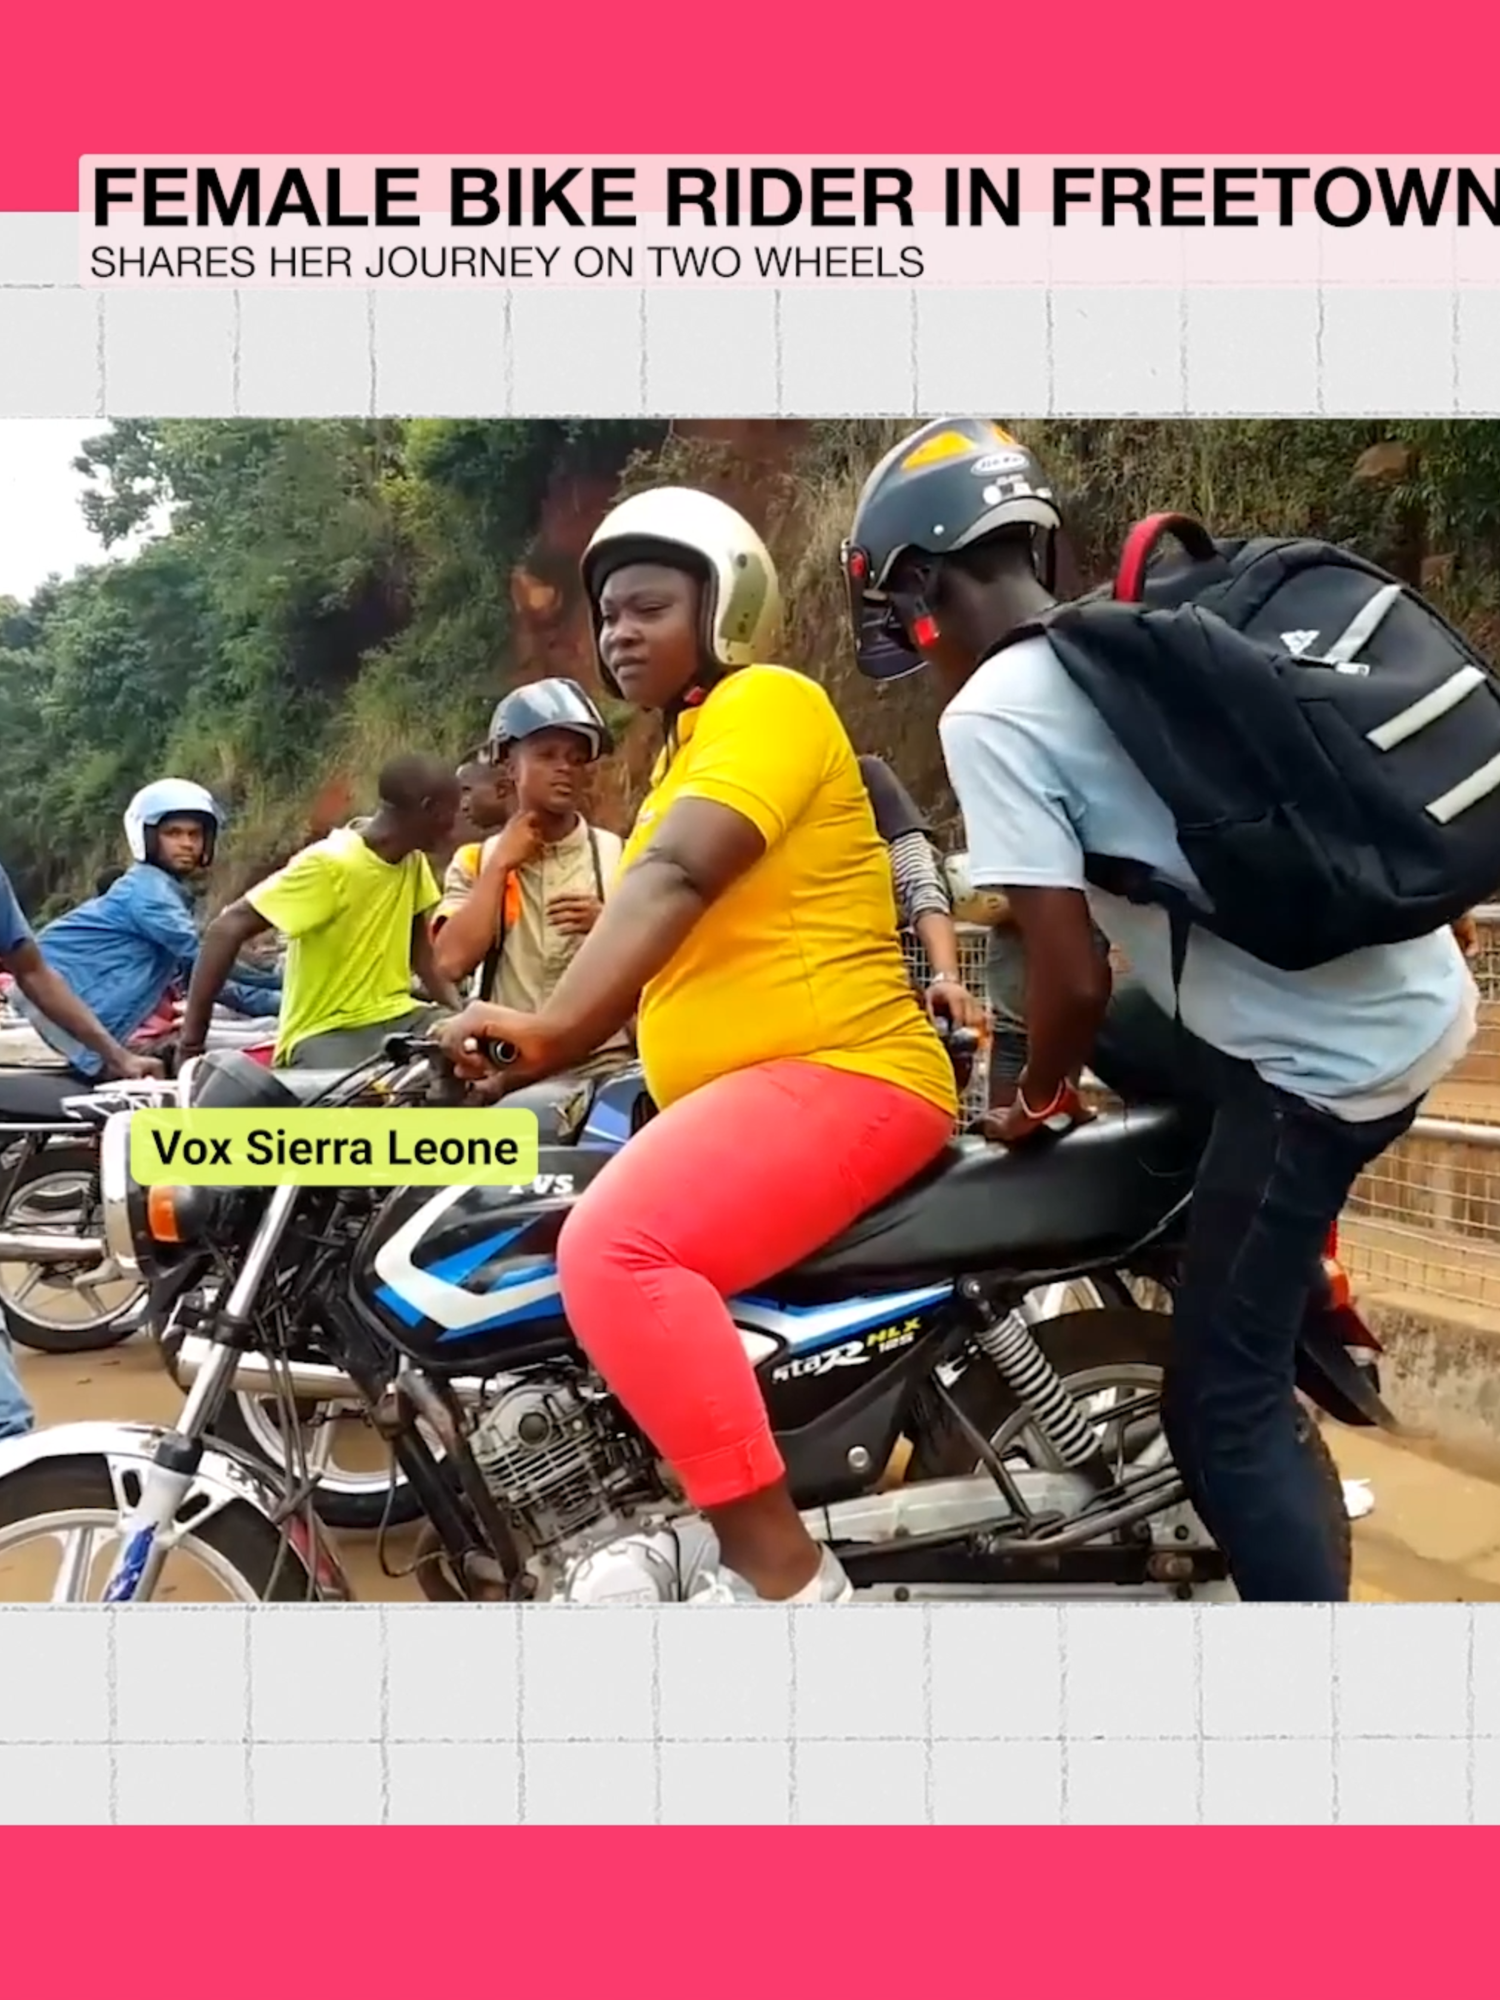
296	1404
60	1292
938	1439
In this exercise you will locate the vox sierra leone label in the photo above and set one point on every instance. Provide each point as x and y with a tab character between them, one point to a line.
333	1146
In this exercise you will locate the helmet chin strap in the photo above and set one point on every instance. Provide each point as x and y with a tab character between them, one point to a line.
693	695
1049	561
914	613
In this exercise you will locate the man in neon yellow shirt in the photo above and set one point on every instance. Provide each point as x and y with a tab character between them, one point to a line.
354	907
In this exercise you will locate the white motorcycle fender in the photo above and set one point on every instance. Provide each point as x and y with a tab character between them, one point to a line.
224	1475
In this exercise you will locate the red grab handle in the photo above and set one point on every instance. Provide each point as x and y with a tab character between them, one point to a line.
1140	543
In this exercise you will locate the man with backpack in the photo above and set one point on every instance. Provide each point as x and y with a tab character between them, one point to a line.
1307	1059
516	908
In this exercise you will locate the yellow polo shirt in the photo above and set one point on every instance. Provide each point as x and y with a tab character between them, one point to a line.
799	957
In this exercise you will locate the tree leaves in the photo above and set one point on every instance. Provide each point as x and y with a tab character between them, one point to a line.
316	594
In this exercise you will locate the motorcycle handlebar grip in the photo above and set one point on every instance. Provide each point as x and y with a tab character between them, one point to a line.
501	1054
957	1041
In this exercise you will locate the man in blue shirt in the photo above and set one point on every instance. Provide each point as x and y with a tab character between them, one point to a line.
125	948
48	995
1302	1078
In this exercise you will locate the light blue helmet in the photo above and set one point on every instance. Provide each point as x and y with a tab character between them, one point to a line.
171	798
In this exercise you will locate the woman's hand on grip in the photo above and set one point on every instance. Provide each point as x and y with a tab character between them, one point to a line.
952	998
462	1040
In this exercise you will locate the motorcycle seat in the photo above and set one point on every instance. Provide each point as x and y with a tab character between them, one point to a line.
35	1096
307	1084
1055	1204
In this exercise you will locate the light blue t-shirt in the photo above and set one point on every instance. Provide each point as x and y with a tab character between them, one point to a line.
1041	780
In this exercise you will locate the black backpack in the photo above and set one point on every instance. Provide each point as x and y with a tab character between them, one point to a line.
1327	744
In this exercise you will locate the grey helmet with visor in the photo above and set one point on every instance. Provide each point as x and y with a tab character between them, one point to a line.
549	704
955	482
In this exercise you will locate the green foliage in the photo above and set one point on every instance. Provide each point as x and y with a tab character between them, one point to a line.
323	593
1432	512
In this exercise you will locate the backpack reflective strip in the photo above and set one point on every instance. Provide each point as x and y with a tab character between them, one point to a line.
1483	781
1428	709
1363	626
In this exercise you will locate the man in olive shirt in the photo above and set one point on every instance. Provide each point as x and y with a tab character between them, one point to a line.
516	907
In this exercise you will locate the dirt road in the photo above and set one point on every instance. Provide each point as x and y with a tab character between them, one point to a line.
1434	1535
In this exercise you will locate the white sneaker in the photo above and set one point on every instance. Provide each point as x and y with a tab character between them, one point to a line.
1358	1499
727	1586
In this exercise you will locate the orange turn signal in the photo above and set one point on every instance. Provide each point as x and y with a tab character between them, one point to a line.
161	1214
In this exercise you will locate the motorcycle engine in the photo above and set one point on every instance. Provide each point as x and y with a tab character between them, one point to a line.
553	1460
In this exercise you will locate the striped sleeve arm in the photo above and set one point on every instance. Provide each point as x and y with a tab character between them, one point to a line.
920	890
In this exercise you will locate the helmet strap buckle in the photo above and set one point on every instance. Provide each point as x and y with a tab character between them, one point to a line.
914	614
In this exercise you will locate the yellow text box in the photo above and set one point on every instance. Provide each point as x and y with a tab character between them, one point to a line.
333	1146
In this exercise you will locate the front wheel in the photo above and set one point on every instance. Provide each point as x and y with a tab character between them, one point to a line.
60	1531
1112	1359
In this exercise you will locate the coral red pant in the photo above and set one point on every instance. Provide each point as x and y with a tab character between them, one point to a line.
717	1194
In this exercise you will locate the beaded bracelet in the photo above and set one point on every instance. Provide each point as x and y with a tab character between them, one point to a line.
1041	1117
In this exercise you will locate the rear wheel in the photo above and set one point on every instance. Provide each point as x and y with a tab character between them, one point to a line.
1110	1359
63	1308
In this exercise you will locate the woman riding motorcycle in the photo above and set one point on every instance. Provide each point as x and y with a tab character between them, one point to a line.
798	1079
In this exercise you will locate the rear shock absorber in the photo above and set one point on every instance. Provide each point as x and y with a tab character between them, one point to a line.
1011	1346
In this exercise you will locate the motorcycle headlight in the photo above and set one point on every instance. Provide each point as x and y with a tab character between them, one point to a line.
144	1226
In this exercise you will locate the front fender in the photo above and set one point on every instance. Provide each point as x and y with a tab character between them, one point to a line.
225	1475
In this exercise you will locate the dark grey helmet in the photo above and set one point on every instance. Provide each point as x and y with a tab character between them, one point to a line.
550	704
954	482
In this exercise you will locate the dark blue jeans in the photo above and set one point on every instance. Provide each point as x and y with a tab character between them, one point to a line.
1274	1177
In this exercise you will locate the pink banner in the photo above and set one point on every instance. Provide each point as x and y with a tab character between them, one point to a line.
1088	80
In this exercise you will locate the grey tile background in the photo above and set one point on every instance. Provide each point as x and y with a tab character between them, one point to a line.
1178	332
949	1714
943	1714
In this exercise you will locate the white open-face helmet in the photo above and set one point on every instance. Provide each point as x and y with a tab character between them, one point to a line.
689	530
171	798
